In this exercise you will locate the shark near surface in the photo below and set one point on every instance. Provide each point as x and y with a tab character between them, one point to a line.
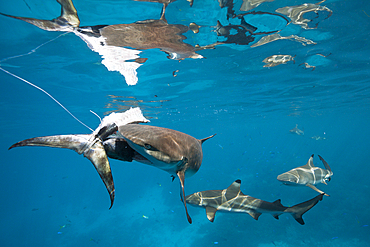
119	136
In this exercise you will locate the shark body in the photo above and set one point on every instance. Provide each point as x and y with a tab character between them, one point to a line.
170	150
297	131
308	175
233	200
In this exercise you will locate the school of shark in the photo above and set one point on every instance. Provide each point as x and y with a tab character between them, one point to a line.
127	137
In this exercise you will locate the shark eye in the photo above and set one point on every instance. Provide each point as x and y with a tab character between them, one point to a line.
147	146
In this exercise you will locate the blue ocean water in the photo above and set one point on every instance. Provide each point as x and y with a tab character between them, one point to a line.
54	197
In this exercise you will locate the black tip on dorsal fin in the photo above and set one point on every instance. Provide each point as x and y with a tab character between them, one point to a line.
312	155
205	139
234	189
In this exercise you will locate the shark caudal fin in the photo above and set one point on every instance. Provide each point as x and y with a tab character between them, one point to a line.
65	22
73	142
298	210
90	146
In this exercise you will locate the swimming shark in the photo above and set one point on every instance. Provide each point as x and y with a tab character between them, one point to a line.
121	137
296	130
308	175
233	200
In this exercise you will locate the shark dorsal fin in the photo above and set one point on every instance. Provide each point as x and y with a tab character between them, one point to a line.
233	190
278	203
254	214
309	164
205	139
211	212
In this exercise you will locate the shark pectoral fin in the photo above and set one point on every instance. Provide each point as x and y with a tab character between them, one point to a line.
298	210
254	214
316	189
211	213
181	175
96	154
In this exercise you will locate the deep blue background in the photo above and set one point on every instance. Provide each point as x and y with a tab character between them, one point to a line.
251	108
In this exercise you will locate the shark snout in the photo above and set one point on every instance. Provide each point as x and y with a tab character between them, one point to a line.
285	177
193	199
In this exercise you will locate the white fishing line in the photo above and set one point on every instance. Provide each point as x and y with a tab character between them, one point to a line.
95	115
37	87
33	50
42	90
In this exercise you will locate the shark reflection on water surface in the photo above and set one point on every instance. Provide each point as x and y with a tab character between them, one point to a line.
110	41
120	45
119	136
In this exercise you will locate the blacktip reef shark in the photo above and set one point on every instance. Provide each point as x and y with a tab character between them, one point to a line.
112	42
119	136
233	200
297	131
308	175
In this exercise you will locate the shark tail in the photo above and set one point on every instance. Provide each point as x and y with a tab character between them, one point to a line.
65	22
298	210
73	142
89	145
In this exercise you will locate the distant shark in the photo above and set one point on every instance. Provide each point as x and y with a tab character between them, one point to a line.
297	131
120	137
308	175
233	200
